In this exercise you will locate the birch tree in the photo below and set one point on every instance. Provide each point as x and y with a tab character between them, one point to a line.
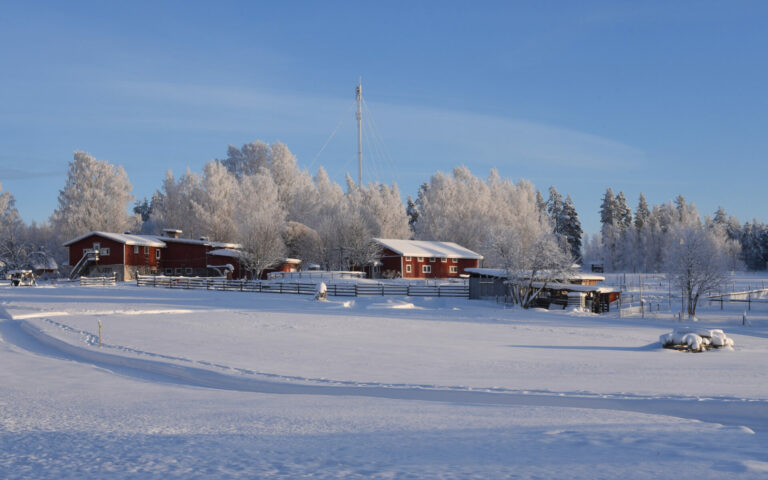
695	262
96	196
260	223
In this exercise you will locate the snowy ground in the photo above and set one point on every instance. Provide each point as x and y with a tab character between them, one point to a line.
229	384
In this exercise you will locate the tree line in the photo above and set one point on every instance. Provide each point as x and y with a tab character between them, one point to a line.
640	241
259	197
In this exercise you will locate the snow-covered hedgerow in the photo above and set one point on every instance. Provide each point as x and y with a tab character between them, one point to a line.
695	339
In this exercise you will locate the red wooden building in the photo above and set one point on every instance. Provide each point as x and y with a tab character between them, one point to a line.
127	255
425	259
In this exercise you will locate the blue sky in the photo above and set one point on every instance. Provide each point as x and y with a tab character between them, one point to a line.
655	97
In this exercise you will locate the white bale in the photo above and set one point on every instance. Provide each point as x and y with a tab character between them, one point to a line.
666	339
692	340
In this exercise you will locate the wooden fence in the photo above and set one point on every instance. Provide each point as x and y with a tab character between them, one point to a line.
303	288
104	280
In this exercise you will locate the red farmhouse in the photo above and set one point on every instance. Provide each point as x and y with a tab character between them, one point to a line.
423	259
127	255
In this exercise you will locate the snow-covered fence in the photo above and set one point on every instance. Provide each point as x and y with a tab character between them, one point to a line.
104	280
322	275
333	289
218	283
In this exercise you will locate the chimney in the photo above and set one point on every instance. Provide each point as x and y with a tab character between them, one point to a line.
171	233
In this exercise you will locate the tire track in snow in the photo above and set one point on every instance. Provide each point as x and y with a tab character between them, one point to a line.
732	412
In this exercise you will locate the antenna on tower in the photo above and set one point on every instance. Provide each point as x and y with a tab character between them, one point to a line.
359	99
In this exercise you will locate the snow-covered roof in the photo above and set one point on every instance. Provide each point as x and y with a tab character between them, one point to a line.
574	287
489	272
501	273
124	238
192	241
225	252
423	248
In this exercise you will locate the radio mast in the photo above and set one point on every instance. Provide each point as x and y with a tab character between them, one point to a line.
359	98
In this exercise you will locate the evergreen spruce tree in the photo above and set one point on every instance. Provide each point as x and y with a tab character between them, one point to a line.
555	209
642	213
571	227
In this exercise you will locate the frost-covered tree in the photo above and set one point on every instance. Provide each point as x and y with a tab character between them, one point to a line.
642	213
541	204
96	196
610	231
215	203
695	261
259	223
455	208
13	249
555	209
174	205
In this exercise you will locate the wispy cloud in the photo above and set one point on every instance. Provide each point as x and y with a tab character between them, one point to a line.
18	174
456	136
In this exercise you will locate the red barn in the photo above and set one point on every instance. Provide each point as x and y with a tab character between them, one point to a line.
425	259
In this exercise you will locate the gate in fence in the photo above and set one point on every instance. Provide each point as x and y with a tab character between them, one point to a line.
104	280
303	288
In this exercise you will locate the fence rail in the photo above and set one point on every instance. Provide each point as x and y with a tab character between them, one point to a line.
303	288
104	280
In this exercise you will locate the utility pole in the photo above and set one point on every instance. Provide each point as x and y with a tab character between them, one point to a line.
359	98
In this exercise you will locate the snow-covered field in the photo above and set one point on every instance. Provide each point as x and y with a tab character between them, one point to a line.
228	384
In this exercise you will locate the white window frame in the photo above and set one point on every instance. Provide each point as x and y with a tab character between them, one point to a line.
432	259
421	259
97	245
104	251
407	259
443	259
455	260
146	250
453	269
426	269
188	271
157	254
135	249
408	269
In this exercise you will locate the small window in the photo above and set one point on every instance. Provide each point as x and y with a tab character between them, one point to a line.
432	259
157	253
135	249
96	245
146	250
455	260
169	271
443	259
407	269
454	269
104	251
426	269
407	259
421	259
188	271
178	271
